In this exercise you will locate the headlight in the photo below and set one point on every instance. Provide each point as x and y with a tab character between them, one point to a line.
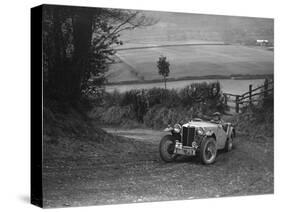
194	144
200	131
177	128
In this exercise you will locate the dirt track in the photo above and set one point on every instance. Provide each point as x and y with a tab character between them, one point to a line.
142	176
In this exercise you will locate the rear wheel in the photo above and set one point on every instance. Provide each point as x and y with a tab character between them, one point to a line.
166	148
208	151
229	143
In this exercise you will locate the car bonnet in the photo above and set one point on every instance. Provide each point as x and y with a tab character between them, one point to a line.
202	124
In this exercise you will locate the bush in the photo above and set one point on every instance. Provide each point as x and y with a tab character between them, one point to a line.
115	115
159	116
258	119
160	106
138	101
256	122
169	98
207	96
113	98
156	96
263	109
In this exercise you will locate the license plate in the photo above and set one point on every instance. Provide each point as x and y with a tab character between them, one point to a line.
185	151
188	151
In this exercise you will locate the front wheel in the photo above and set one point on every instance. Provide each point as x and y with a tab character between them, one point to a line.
208	151
166	148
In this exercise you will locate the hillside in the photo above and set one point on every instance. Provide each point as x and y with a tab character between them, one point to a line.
186	26
191	60
193	44
70	136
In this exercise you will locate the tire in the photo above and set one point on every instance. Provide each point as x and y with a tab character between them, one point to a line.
208	151
166	148
229	143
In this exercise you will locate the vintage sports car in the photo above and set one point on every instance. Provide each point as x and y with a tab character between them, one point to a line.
197	137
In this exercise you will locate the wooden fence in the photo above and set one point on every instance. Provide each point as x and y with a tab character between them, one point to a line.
247	98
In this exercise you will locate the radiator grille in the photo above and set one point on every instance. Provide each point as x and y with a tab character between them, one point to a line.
188	134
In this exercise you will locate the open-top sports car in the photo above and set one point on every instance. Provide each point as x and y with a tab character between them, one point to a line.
197	137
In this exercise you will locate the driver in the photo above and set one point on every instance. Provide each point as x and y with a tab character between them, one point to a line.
217	118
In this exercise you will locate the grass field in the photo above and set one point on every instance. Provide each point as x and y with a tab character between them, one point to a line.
193	60
184	27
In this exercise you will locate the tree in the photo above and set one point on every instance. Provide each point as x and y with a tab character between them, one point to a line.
163	68
78	46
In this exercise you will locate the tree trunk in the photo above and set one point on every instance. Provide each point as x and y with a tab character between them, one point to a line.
56	54
82	32
64	76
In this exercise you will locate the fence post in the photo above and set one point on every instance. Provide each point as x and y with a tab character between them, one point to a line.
237	104
225	99
265	88
250	94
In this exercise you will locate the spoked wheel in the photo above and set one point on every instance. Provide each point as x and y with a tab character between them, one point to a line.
166	148
208	151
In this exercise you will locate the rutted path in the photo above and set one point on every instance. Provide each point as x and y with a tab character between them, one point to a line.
142	176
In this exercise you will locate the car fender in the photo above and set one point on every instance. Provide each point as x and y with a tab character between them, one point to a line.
211	133
207	135
168	129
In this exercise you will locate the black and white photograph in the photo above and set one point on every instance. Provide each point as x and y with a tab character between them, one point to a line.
148	106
